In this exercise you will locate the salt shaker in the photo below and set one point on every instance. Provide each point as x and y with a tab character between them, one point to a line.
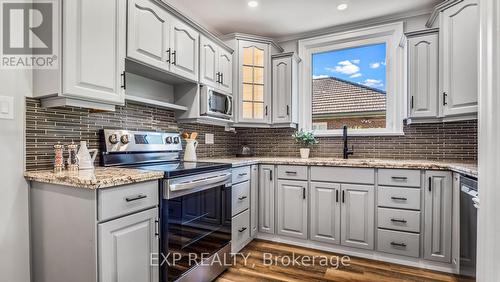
72	157
58	157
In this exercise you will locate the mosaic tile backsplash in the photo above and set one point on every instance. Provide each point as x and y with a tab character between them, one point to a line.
45	127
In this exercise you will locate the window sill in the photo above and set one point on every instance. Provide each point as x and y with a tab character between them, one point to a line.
337	133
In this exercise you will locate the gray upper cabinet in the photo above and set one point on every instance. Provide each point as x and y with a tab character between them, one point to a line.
437	213
208	62
254	201
423	75
285	89
158	39
266	199
149	33
358	216
291	210
215	65
125	248
325	212
459	28
185	50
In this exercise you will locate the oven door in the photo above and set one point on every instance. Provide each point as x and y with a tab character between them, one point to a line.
194	227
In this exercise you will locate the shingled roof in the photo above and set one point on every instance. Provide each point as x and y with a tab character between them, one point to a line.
332	95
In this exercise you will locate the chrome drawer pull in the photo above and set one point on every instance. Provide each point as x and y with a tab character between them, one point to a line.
242	198
138	197
291	172
399	198
402	178
398	220
242	229
398	244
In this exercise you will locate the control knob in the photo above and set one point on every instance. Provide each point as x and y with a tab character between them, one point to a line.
124	139
177	140
113	139
168	140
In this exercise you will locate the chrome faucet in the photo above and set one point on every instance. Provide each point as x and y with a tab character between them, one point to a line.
347	151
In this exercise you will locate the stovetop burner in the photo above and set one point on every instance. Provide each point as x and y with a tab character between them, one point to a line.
184	168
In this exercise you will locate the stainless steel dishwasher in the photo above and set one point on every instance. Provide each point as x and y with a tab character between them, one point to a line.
469	204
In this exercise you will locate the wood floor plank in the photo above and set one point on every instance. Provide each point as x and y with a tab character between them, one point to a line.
360	269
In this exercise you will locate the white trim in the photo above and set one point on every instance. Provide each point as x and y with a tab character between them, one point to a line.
489	137
390	34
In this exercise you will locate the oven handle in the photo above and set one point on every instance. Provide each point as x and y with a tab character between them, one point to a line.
200	182
229	105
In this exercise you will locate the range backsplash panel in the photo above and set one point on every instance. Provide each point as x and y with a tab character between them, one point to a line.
45	127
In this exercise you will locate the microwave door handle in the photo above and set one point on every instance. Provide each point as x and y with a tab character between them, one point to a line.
228	105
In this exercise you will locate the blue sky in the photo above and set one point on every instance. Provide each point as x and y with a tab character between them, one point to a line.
363	65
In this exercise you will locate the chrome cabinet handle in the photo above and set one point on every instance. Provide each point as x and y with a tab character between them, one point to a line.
174	61
398	220
398	244
445	95
169	55
138	197
399	198
124	81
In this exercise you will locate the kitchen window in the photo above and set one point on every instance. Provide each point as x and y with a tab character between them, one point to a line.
354	78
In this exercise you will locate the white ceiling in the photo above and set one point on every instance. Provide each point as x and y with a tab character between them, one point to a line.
282	18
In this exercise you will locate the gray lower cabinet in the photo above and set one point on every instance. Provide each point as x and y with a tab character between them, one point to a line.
254	192
325	212
266	199
125	247
437	216
358	216
291	210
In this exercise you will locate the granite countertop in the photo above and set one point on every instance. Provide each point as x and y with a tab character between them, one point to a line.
100	177
467	168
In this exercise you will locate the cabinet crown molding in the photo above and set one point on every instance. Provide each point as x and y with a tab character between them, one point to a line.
251	37
438	9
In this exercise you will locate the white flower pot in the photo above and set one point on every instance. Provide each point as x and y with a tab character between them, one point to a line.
304	153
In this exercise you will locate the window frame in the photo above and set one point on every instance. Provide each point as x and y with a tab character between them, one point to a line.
390	34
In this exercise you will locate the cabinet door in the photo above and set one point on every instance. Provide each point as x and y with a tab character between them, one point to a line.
185	50
125	248
208	62
358	216
292	208
254	192
266	199
254	98
325	212
282	89
423	75
459	27
225	62
437	214
94	35
148	34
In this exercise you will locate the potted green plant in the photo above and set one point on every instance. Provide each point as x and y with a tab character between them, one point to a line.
306	139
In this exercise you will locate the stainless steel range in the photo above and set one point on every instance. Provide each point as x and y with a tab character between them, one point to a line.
195	210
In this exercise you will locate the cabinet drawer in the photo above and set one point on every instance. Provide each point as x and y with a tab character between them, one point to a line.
399	243
399	177
401	220
396	197
240	231
292	172
343	174
241	174
240	197
114	202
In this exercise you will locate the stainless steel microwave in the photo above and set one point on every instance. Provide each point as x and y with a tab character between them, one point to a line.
216	104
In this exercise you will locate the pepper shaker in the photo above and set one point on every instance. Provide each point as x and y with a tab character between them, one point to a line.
72	157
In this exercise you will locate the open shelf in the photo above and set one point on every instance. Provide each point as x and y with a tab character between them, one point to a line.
156	103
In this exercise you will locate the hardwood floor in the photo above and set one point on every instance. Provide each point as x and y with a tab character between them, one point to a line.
359	269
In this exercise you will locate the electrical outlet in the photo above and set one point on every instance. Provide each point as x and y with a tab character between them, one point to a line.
6	107
209	138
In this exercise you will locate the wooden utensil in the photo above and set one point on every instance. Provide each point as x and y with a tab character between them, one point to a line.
185	135
194	135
